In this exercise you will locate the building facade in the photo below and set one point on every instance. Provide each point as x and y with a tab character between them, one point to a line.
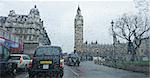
2	21
29	28
117	50
78	31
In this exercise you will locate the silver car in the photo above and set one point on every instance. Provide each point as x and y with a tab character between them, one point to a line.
22	60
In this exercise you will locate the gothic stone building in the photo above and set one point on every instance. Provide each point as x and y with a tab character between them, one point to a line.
116	50
29	28
92	49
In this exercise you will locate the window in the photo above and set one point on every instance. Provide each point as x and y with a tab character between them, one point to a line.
9	37
16	39
21	30
26	57
47	51
15	57
29	37
16	30
25	37
26	31
30	30
6	53
6	35
12	38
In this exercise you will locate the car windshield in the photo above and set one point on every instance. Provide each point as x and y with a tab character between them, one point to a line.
15	57
26	57
47	51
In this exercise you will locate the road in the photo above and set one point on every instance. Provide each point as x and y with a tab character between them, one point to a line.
90	70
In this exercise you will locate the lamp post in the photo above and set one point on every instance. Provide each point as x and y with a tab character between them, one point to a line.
114	40
97	56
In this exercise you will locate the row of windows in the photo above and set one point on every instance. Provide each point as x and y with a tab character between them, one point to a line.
29	37
21	30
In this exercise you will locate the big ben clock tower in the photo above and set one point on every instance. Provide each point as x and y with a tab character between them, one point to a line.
78	34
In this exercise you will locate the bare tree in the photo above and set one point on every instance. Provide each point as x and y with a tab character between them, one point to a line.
133	29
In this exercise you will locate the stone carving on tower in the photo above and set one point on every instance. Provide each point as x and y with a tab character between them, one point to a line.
78	34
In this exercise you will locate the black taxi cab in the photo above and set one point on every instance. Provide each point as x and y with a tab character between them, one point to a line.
47	61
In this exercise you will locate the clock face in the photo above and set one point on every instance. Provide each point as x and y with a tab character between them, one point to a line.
79	22
80	18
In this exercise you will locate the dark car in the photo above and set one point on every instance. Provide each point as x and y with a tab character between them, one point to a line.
73	59
47	61
6	65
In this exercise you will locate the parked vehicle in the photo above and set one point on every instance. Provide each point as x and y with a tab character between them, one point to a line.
47	61
6	65
22	60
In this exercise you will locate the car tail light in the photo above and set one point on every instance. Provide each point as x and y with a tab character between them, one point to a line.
30	64
61	65
21	60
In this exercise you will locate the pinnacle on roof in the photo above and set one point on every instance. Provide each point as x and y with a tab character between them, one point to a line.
34	6
79	8
34	11
78	11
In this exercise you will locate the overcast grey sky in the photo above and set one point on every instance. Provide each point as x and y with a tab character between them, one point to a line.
58	17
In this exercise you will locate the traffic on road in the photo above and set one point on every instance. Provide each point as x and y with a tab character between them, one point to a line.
88	69
117	46
49	62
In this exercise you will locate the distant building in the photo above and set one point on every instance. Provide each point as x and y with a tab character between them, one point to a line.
29	28
116	50
78	32
93	49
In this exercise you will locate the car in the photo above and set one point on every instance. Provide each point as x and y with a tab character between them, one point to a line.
47	61
22	61
6	65
73	59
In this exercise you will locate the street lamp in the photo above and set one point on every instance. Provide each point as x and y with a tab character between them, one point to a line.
114	40
97	52
97	56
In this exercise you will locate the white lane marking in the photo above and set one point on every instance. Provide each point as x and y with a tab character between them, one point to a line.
74	72
27	76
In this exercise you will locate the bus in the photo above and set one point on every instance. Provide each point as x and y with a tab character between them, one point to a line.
6	65
11	41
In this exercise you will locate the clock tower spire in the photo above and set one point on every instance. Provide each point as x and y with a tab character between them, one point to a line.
78	32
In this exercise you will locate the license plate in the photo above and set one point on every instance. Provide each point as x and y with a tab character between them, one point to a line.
45	66
45	62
